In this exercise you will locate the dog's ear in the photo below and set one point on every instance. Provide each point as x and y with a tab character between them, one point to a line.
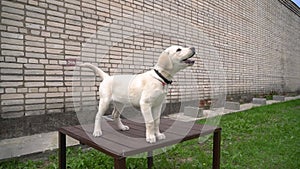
164	61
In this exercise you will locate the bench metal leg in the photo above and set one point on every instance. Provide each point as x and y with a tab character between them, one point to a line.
150	160
120	163
217	149
62	150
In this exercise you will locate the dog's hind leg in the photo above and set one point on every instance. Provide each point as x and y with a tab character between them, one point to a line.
103	106
117	116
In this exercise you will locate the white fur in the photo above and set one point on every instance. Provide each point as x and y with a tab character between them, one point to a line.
144	90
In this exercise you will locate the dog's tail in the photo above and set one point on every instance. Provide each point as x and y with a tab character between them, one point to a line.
97	70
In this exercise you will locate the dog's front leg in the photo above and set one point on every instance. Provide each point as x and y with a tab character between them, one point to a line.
157	114
147	114
159	135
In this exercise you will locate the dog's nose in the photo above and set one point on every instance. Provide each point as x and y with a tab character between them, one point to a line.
193	49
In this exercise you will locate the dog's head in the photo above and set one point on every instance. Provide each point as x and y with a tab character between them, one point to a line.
175	58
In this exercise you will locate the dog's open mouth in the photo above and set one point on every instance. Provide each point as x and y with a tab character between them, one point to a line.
188	60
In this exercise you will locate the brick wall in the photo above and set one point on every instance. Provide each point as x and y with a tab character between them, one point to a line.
244	47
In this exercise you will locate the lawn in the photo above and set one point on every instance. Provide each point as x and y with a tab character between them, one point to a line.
262	137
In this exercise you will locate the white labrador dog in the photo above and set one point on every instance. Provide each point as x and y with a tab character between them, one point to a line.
146	91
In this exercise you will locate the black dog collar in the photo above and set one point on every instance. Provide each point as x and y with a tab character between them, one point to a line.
163	78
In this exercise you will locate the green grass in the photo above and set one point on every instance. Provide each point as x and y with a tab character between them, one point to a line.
262	137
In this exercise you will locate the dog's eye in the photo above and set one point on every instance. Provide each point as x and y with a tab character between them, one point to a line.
178	50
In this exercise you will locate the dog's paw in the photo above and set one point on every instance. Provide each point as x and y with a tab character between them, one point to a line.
97	133
124	128
151	139
160	136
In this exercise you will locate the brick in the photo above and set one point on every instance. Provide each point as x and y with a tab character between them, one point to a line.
35	55
12	35
11	84
12	16
55	35
11	96
22	90
72	6
34	20
10	65
33	90
54	51
34	38
43	5
34	72
54	72
56	67
53	45
35	26
34	66
62	9
13	10
56	19
12	41
11	77
56	24
56	84
54	78
55	56
34	95
34	78
33	2
34	101
34	43
55	2
12	47
34	112
35	15
88	5
72	27
12	4
55	13
11	71
76	2
35	107
34	84
12	108
53	7
12	102
10	59
34	49
12	115
10	90
12	53
55	100
34	8
44	61
33	60
12	22
12	29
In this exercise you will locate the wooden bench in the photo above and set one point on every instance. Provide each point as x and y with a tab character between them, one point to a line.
121	144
